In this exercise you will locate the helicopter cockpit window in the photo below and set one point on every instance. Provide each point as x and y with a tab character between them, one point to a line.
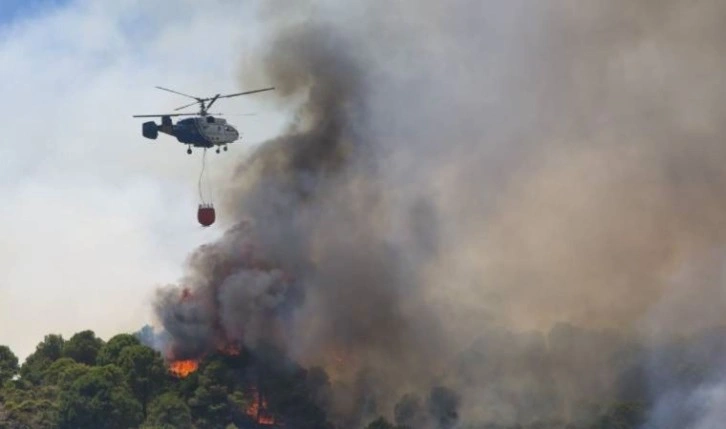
210	119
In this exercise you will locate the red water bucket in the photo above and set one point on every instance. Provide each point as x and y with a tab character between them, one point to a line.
205	214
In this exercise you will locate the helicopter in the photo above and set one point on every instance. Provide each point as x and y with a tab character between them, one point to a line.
203	130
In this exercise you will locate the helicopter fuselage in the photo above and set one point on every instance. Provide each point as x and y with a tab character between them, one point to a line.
200	131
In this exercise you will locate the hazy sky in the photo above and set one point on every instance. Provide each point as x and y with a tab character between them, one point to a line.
94	217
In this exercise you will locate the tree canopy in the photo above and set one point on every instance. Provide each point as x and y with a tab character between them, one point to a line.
110	352
8	364
99	398
83	347
84	382
48	351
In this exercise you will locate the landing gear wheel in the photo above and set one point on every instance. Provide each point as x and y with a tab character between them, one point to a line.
225	148
189	151
217	150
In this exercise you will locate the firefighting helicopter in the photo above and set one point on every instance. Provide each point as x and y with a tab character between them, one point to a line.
203	130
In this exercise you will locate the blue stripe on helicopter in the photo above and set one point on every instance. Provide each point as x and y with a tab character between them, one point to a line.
190	134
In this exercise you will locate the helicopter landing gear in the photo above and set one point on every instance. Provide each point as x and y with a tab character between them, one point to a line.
217	150
189	151
225	148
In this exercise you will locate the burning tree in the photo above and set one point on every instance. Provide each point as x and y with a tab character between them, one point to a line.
258	410
250	388
182	368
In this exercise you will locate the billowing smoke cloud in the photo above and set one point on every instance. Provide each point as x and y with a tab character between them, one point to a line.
501	210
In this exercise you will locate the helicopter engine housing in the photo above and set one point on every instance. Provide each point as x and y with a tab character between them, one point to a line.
150	130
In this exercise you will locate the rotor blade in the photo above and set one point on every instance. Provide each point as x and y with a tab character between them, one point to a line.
187	105
178	114
212	101
165	114
177	92
247	92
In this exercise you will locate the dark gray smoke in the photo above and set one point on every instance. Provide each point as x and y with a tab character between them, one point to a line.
310	267
518	203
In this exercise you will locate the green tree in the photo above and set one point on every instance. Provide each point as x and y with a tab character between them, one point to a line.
210	406
210	403
51	348
29	408
83	347
111	351
99	399
8	364
145	373
63	372
168	411
46	352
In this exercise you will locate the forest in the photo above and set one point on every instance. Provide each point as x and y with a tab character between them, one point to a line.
85	382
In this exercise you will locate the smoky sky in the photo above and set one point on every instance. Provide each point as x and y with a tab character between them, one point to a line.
458	181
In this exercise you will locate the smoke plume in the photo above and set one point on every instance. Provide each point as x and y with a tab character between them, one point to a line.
481	212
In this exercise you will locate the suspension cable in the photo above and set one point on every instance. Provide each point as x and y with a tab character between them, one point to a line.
201	175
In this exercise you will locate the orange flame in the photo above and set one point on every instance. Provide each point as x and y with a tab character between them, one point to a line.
182	368
254	409
258	410
266	420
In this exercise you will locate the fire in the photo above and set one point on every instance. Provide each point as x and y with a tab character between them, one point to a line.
258	410
182	368
266	420
230	349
